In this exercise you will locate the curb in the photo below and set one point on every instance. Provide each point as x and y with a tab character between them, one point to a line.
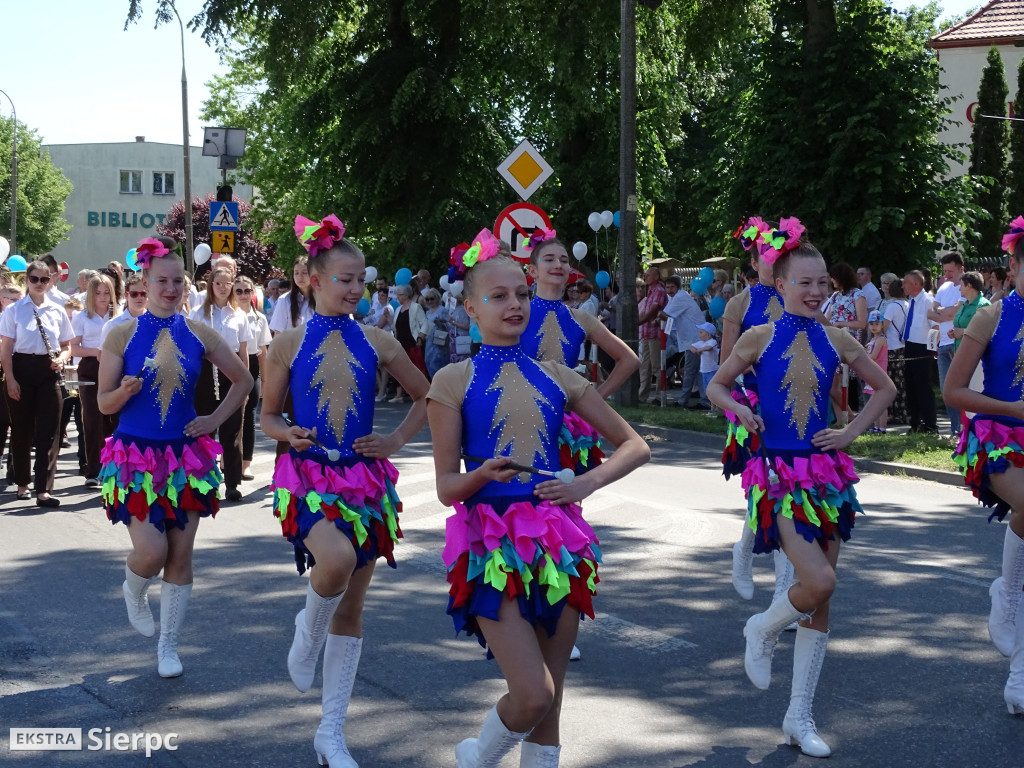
866	465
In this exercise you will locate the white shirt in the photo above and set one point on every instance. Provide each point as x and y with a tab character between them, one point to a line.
948	295
708	355
259	329
57	296
89	328
686	316
917	333
229	322
124	317
18	322
874	298
896	313
282	319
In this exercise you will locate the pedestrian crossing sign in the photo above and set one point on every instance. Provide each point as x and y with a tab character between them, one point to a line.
223	242
223	216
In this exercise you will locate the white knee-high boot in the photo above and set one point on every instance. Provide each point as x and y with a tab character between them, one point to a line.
784	574
537	756
173	605
311	625
1014	690
1006	594
743	563
341	660
762	633
494	742
136	600
798	726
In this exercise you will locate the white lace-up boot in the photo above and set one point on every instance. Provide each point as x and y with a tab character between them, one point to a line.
537	756
494	742
798	726
173	605
743	564
136	600
1006	594
311	625
341	660
784	574
762	633
1014	690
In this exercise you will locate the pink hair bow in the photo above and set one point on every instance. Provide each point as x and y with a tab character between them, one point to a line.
319	237
540	236
752	233
1016	232
776	242
485	246
149	249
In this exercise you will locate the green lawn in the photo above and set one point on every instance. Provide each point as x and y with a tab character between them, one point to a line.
929	451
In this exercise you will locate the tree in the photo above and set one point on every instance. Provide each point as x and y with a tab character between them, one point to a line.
255	259
1015	189
990	140
42	190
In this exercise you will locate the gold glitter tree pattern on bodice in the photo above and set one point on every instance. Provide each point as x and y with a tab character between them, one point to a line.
1018	368
337	381
774	308
519	417
801	376
551	340
170	374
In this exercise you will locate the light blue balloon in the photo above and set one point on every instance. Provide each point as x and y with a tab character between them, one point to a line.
403	276
707	275
129	259
698	286
474	333
16	263
394	304
717	307
363	307
602	279
616	218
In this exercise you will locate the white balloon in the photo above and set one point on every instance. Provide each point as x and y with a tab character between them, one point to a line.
5	248
202	253
607	218
455	288
579	250
444	282
371	274
594	220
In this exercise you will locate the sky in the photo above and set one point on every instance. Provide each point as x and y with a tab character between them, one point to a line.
77	76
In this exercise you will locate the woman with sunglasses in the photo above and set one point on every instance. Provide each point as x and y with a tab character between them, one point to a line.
259	329
221	312
35	343
137	299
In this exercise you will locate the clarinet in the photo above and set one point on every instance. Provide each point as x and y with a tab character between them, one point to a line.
49	349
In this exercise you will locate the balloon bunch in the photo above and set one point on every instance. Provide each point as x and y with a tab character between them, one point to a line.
700	284
604	219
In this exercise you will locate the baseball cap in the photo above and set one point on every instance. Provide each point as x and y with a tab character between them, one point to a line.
874	316
707	328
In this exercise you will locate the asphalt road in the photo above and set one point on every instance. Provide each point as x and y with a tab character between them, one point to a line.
910	679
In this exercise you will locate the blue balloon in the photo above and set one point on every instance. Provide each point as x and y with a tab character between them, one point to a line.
394	304
363	307
474	333
707	274
129	259
717	307
616	218
602	279
698	286
403	276
16	263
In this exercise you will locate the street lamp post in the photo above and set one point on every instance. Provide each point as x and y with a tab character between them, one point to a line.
185	150
14	178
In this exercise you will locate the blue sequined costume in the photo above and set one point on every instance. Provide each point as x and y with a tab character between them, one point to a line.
502	543
332	364
795	360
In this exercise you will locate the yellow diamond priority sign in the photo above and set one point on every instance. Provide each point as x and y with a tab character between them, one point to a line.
525	170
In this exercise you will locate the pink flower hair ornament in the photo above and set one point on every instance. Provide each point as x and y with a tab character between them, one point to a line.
776	242
752	232
540	236
1016	233
455	268
485	246
319	237
148	249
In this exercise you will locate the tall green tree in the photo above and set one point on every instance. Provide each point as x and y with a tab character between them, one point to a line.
1015	189
42	191
990	140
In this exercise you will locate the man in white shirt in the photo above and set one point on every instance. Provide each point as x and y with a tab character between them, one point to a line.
871	293
917	356
54	293
686	317
947	303
83	283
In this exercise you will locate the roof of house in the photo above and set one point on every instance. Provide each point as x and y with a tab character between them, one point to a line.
1000	22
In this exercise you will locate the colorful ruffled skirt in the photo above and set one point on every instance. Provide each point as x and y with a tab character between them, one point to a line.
159	480
579	445
988	446
740	444
357	494
814	490
542	555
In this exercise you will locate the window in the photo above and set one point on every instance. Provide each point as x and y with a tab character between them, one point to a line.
131	182
163	183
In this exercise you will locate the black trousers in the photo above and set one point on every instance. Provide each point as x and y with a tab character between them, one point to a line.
249	412
97	427
35	420
918	364
230	433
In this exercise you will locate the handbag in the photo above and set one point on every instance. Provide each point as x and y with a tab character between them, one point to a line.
440	337
463	345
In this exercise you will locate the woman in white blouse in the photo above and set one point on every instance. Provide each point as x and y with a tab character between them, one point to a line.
259	329
87	325
296	306
411	330
35	342
221	312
